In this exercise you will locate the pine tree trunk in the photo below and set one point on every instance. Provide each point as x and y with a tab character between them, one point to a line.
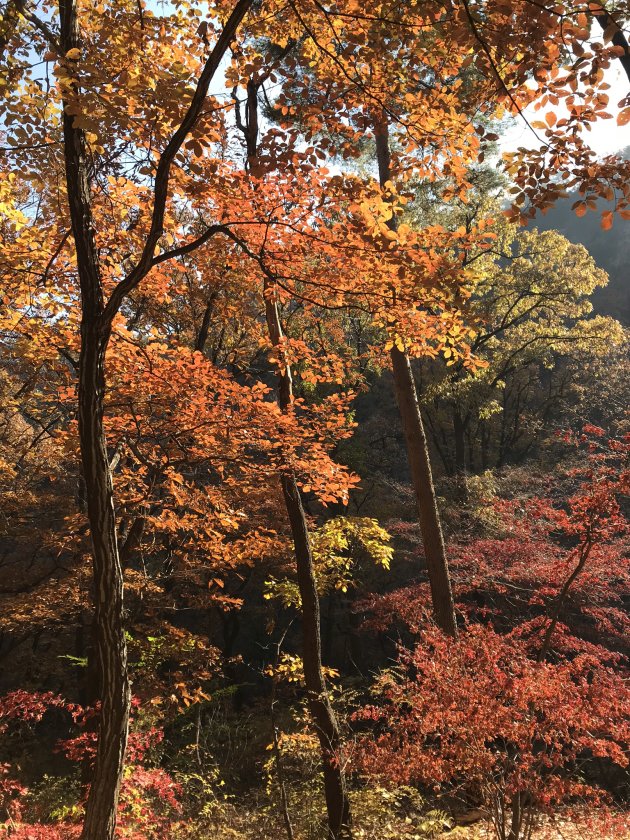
111	652
417	449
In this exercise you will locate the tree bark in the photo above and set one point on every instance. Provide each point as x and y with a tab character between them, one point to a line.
320	708
111	648
417	449
459	430
618	38
326	726
459	433
96	322
422	478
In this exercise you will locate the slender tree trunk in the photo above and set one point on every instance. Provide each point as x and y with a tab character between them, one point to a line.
202	335
516	819
326	726
554	615
420	465
284	797
111	651
459	430
320	708
417	449
337	804
459	433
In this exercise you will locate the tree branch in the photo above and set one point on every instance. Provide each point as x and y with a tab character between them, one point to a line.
162	176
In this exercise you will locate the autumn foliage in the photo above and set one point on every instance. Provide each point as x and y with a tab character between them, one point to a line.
225	230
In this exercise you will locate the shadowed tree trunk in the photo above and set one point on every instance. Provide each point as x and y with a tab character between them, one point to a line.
460	427
111	648
417	449
327	728
320	708
96	322
614	30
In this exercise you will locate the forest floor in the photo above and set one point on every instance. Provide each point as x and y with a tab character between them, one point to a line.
560	830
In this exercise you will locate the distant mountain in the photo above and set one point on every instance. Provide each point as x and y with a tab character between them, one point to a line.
609	248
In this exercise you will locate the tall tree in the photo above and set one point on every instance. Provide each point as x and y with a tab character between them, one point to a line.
322	713
97	316
415	438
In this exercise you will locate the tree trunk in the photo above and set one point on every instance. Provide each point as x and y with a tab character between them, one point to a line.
111	650
326	726
459	433
420	465
100	817
320	708
618	38
417	449
460	442
337	804
516	818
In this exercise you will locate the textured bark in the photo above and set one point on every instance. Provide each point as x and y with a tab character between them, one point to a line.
417	449
111	649
420	466
202	335
326	726
96	320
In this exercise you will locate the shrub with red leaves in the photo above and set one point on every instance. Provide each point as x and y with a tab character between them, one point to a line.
479	714
149	797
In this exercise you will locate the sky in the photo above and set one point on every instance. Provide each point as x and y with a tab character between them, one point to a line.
606	137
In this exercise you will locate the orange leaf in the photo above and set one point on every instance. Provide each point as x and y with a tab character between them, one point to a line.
623	117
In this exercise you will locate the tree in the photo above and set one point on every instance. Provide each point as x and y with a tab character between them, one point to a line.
509	728
324	720
417	449
98	313
508	725
121	162
531	313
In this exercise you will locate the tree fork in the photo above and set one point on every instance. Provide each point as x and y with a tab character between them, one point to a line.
111	647
96	321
